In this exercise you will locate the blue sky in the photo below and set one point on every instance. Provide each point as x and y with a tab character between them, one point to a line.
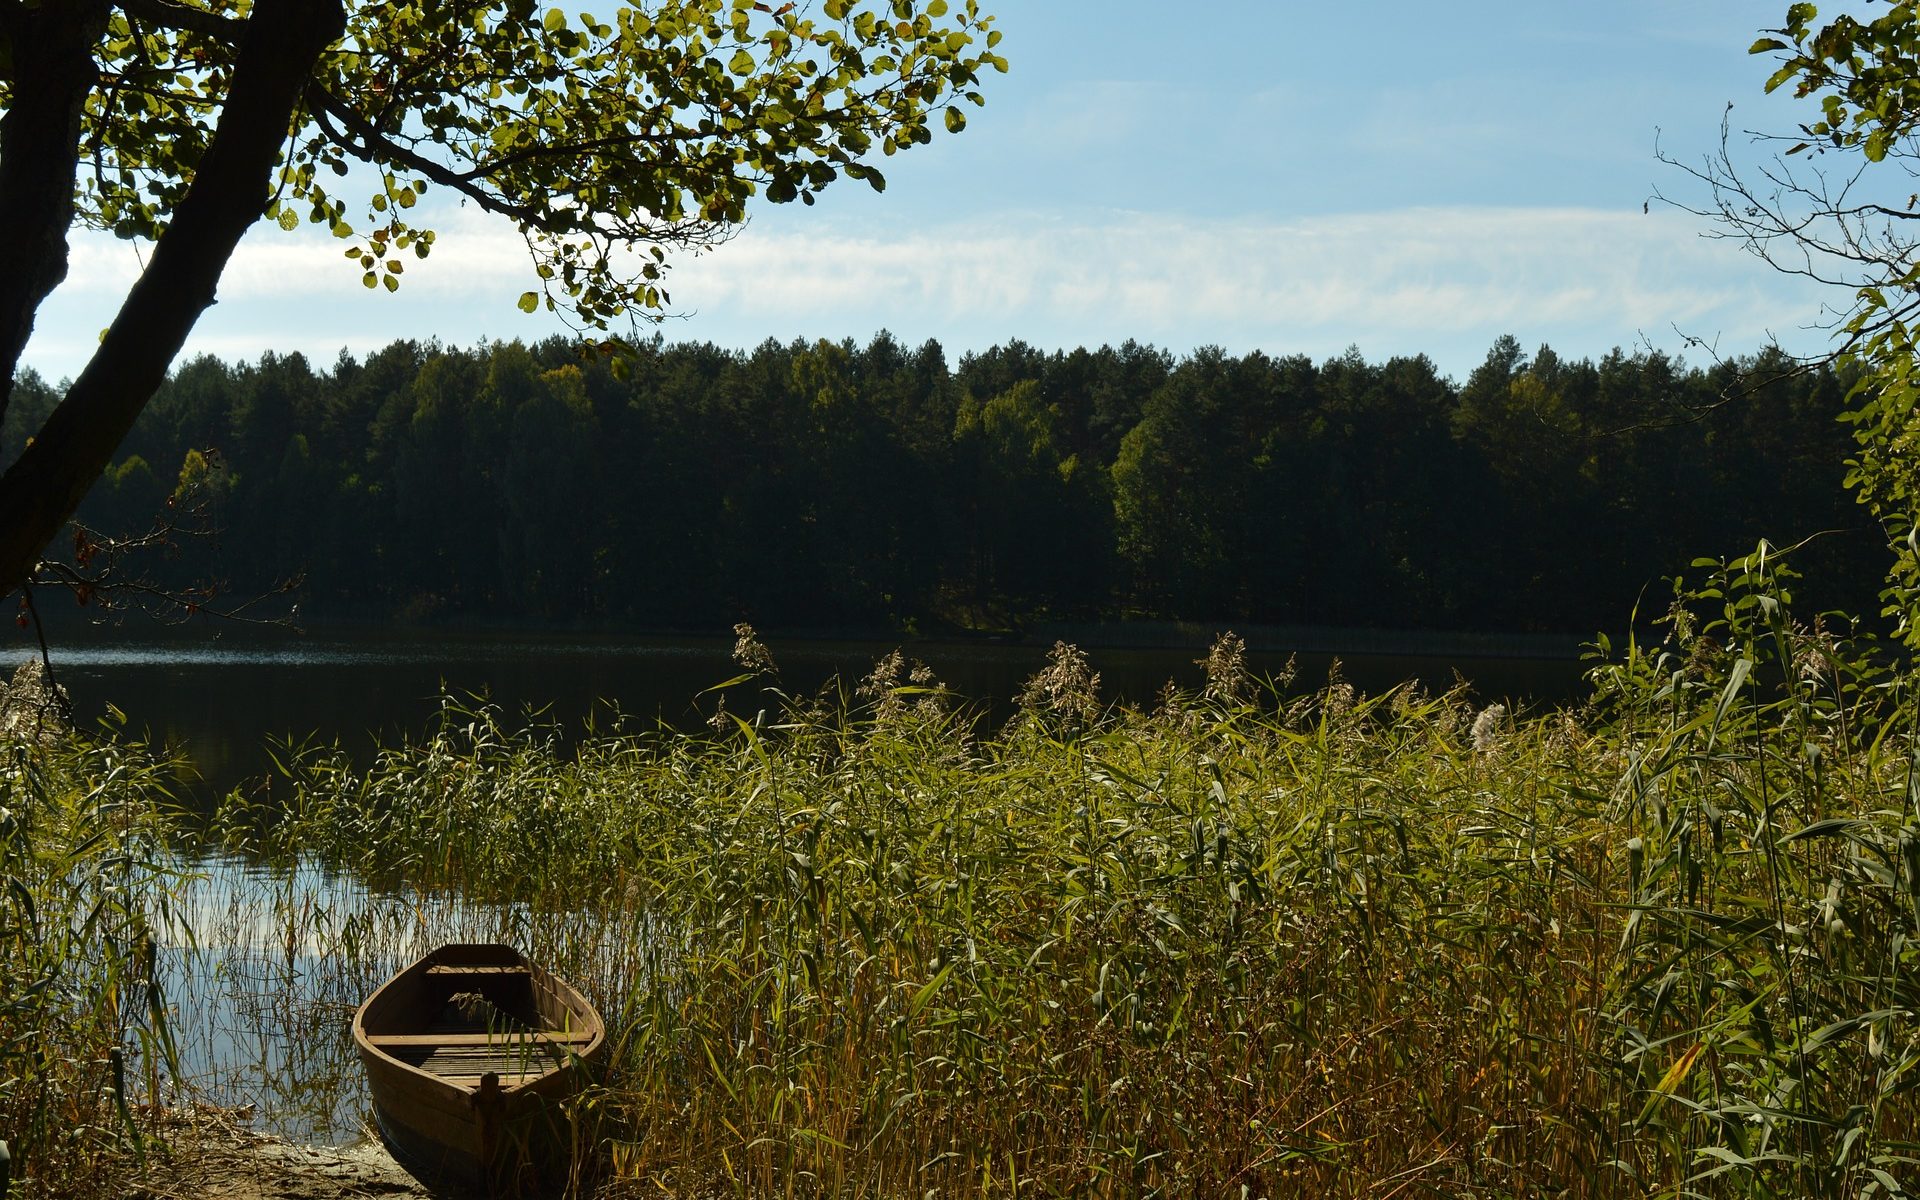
1292	177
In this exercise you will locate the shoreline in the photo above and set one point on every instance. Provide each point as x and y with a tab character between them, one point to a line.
1341	641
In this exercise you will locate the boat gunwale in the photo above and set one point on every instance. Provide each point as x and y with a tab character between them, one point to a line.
577	1056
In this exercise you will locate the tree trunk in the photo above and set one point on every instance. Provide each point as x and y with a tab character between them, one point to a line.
39	157
229	192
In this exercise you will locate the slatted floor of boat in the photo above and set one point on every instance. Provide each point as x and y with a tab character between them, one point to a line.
512	1061
462	1053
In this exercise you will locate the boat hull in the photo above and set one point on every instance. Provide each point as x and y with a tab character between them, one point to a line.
471	1054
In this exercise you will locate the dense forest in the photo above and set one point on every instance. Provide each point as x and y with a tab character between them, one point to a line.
844	485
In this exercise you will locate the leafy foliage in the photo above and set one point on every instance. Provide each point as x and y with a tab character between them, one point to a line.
607	139
637	127
1851	225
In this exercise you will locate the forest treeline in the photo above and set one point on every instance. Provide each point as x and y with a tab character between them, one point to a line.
824	484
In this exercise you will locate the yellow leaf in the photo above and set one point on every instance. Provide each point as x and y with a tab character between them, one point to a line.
1677	1073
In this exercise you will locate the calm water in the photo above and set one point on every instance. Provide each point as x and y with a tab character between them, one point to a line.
219	694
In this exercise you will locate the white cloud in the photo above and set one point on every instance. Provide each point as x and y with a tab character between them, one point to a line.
471	251
1400	274
1444	281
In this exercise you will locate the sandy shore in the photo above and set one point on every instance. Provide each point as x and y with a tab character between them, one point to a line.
215	1158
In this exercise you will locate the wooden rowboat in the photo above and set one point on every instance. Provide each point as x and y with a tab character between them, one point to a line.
469	1054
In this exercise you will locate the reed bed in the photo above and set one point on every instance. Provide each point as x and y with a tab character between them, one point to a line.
84	878
1245	943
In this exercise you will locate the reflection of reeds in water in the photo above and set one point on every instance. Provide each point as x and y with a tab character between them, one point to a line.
280	956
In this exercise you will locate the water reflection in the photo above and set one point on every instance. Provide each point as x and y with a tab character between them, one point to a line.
262	969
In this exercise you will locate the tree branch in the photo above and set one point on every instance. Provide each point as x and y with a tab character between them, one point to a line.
42	489
588	146
376	147
194	20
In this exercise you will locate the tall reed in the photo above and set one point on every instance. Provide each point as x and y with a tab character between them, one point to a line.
1244	944
84	1035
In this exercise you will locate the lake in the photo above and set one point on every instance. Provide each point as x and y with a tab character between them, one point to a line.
218	693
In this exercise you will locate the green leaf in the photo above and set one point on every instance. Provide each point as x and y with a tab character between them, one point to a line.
529	301
956	120
739	101
1742	667
736	681
1829	826
925	994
